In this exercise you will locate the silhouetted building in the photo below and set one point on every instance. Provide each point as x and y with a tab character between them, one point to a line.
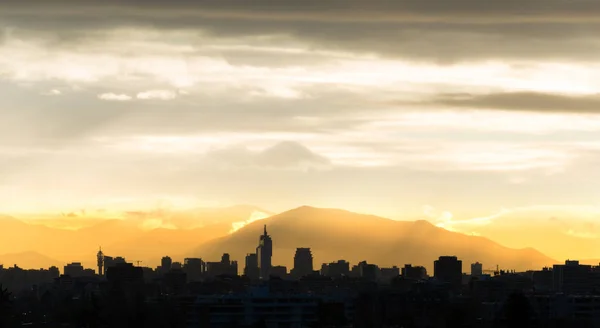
279	271
165	263
174	281
476	269
125	273
303	263
543	280
448	269
100	261
574	278
367	271
387	274
176	266
108	262
264	251
74	269
225	267
337	269
256	307
414	272
251	269
193	268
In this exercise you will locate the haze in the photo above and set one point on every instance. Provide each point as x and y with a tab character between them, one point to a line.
482	117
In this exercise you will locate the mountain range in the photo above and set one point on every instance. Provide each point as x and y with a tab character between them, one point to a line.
138	236
332	234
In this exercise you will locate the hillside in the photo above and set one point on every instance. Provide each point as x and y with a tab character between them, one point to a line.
142	235
29	260
336	234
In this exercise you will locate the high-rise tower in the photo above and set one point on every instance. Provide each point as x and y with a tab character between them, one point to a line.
264	252
100	258
303	263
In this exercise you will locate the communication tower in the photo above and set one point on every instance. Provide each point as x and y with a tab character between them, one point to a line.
100	257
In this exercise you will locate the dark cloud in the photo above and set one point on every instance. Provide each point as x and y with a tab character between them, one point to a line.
523	101
440	30
345	9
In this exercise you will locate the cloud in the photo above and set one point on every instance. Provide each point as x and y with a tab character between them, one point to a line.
422	30
523	101
53	92
114	97
283	155
157	94
254	216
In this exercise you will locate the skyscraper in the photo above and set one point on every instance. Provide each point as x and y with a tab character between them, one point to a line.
303	263
264	252
100	258
251	270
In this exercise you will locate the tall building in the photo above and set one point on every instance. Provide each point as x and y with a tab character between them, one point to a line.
251	269
100	258
476	269
166	263
303	263
264	252
448	269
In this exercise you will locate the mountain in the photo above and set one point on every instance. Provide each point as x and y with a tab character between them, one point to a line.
334	234
29	260
136	235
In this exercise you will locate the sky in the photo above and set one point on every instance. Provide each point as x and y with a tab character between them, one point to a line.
450	110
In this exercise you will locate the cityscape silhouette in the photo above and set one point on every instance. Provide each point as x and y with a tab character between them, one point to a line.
299	163
199	293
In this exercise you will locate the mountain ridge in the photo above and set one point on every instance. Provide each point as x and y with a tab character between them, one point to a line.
335	234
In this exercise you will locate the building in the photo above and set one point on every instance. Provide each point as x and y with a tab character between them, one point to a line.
166	263
414	272
257	307
251	269
100	261
476	269
74	269
574	278
279	271
303	263
109	261
387	274
225	267
125	273
193	268
264	252
366	271
337	269
448	269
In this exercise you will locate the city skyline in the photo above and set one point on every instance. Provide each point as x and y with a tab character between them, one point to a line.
144	235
